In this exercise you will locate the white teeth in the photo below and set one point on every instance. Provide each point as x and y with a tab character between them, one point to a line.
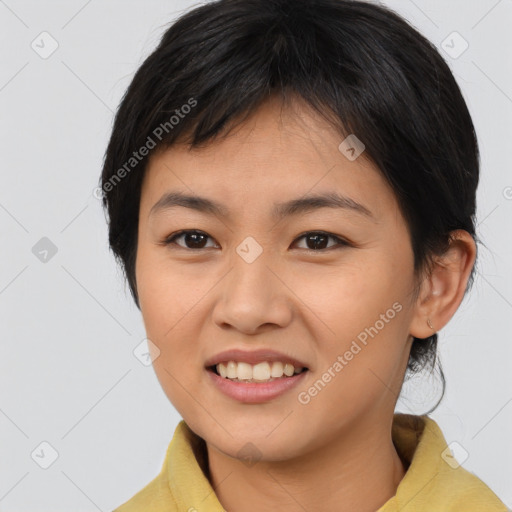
231	372
288	369
277	369
259	372
244	371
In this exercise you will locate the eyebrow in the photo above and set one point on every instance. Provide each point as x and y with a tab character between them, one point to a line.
280	210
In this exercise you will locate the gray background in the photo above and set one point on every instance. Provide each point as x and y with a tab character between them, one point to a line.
68	374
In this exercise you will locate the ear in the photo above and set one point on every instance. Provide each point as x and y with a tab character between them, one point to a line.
443	289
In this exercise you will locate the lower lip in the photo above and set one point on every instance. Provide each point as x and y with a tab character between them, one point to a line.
255	392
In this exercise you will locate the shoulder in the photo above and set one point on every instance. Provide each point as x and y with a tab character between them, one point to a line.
154	497
435	480
459	486
181	481
464	490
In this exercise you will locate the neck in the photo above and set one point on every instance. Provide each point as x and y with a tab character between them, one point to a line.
359	470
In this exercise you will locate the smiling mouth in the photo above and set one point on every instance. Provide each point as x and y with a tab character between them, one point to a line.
260	373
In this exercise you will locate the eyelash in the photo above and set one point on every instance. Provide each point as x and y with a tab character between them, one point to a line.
170	240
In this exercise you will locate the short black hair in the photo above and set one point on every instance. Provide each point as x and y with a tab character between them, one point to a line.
360	65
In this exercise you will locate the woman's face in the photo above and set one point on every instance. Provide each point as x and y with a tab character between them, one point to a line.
273	288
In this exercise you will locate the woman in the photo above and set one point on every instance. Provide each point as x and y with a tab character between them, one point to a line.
291	188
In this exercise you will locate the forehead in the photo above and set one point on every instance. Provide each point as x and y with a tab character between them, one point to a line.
279	152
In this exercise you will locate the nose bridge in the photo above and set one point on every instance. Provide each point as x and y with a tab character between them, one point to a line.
250	274
251	294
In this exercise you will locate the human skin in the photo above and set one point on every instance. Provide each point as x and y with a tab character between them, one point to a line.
337	449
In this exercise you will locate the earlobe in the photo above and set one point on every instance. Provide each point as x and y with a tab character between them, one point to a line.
443	289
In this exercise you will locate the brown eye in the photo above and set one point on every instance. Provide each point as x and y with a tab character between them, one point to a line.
317	241
192	239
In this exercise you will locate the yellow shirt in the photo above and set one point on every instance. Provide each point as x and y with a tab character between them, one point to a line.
433	482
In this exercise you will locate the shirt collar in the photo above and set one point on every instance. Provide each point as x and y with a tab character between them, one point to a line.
186	466
417	439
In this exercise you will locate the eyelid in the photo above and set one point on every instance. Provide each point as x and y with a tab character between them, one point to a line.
341	242
169	240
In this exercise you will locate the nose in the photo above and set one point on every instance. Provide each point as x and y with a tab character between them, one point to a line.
252	297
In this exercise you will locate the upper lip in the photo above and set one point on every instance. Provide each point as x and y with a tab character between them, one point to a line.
253	357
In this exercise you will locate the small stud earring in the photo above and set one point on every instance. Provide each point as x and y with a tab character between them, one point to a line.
429	323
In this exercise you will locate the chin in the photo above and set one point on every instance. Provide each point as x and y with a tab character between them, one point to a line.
249	450
253	442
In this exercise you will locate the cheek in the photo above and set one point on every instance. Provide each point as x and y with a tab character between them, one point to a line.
165	293
346	299
170	320
360	317
168	301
